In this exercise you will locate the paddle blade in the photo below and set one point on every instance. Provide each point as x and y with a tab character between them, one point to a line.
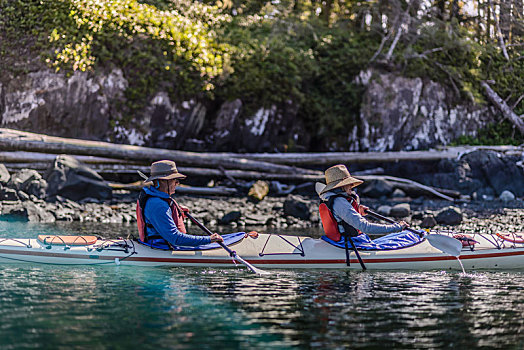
251	267
445	244
319	186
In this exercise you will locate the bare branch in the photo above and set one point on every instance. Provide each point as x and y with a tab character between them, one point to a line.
503	107
405	16
381	46
518	101
425	53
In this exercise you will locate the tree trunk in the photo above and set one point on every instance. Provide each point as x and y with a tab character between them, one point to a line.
517	27
505	20
504	108
499	32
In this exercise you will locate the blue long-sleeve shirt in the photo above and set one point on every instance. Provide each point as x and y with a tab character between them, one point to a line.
158	214
344	211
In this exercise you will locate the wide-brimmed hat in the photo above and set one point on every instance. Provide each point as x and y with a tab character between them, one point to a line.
339	176
163	170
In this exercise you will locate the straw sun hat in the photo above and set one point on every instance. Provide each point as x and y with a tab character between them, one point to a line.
339	176
163	170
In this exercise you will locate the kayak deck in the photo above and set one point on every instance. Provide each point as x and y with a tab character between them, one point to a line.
266	251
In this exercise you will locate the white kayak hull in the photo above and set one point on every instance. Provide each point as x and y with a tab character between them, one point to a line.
266	251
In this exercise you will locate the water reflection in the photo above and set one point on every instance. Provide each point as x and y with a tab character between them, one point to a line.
339	310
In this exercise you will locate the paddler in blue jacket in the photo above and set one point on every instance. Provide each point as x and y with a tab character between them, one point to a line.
345	206
159	217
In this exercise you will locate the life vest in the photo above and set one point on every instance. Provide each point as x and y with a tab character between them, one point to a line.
176	213
330	224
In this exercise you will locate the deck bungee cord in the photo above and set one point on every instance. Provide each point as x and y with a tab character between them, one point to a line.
60	241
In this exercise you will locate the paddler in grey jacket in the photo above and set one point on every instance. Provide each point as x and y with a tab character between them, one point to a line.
340	183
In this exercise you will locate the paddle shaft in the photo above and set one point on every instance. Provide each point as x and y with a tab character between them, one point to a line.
206	230
232	253
378	216
347	238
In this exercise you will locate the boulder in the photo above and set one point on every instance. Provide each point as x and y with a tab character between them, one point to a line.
500	173
258	191
26	212
297	207
449	216
507	196
428	221
69	178
30	182
4	175
256	219
8	194
377	189
384	210
232	216
398	193
401	210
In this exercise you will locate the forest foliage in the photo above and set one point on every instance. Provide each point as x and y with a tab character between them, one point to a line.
307	52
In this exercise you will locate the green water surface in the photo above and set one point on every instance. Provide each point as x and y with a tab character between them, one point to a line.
123	307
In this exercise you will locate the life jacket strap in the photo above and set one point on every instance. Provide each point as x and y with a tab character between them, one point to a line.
348	230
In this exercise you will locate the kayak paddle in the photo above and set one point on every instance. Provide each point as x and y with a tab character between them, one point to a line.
445	244
232	253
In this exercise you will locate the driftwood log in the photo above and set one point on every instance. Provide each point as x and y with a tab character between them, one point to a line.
203	191
331	158
413	187
34	157
94	152
13	140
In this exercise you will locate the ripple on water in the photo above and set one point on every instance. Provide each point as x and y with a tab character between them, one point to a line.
112	307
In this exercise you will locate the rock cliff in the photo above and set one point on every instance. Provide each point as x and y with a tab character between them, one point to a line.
397	113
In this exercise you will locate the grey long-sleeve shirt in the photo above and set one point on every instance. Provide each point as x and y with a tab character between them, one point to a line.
343	210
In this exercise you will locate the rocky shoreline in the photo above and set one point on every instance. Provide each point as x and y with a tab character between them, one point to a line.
69	191
292	213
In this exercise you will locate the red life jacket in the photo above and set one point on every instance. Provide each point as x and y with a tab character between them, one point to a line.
176	213
330	224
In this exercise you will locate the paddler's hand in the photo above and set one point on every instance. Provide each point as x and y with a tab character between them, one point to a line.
185	210
403	224
363	210
215	237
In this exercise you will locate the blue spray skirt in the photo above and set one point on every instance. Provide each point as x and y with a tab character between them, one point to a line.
229	238
392	241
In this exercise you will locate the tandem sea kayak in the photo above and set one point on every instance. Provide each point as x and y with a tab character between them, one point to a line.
267	251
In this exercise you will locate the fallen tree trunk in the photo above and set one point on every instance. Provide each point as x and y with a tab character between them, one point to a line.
203	191
123	169
331	158
504	108
409	185
13	140
230	174
33	157
107	153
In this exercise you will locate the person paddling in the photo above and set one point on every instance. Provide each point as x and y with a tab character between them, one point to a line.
344	204
159	217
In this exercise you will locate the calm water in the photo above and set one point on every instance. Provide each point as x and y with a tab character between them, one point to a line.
119	307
